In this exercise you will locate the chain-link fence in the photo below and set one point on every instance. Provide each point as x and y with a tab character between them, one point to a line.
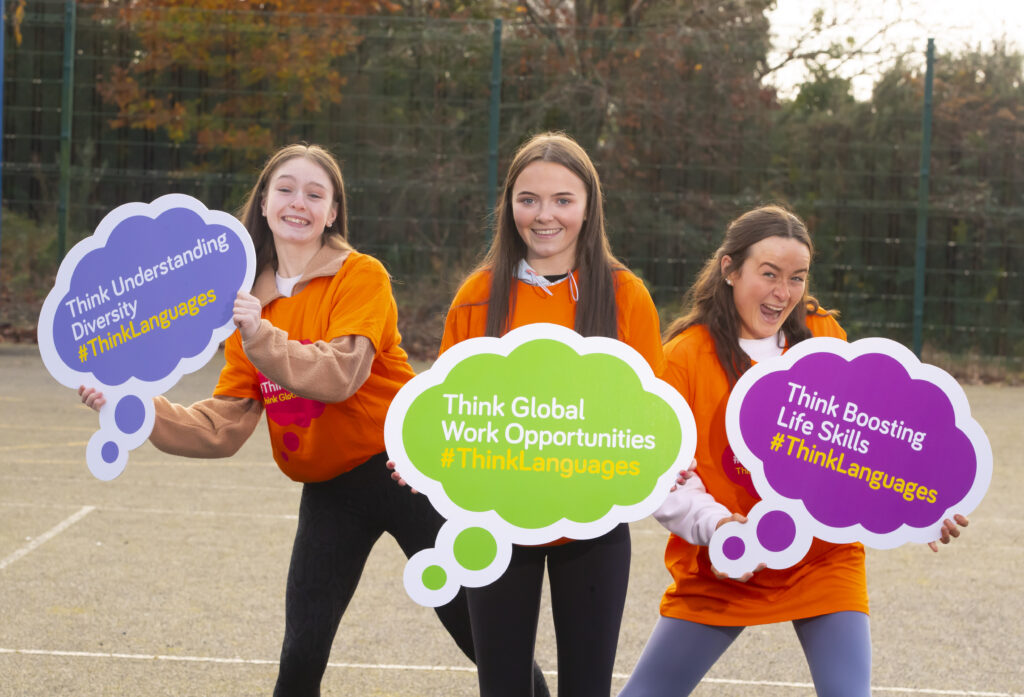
676	114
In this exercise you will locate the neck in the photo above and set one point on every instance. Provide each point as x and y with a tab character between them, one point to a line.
292	260
550	267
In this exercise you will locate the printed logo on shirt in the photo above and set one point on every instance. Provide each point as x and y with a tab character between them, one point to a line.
285	408
737	473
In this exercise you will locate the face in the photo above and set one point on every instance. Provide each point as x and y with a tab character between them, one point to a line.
549	204
769	284
299	202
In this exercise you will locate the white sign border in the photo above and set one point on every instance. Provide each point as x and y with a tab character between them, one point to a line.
505	533
916	371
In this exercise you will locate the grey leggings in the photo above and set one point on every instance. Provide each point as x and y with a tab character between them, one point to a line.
679	653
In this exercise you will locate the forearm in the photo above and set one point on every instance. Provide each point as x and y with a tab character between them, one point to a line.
215	427
325	371
691	512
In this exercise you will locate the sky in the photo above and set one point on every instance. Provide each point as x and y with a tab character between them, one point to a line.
954	24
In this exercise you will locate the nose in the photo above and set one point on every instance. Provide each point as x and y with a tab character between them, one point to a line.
544	212
781	290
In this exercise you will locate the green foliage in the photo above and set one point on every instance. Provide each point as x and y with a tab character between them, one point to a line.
271	56
854	170
669	97
28	267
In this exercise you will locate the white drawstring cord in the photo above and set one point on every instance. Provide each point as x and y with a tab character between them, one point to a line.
525	273
538	280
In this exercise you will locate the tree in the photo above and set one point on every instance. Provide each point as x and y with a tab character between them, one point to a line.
229	74
665	97
852	168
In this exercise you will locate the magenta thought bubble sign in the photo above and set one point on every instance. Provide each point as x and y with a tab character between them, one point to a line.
145	299
848	442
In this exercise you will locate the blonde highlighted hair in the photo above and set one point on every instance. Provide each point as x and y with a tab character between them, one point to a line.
251	213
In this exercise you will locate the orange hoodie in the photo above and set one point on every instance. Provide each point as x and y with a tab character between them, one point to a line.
830	578
637	316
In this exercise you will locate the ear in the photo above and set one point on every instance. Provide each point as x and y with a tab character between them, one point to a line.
726	262
263	206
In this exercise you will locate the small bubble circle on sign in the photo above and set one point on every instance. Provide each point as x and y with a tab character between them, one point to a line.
776	531
475	548
109	452
733	548
129	414
434	577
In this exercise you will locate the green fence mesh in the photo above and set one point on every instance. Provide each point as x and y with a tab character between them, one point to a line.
686	135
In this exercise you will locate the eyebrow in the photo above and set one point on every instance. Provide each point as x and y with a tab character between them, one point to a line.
779	268
288	176
560	193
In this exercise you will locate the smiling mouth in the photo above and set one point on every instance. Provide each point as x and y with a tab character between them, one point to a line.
546	232
294	221
771	313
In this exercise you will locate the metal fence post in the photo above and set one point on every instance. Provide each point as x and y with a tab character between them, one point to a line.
66	108
3	30
495	119
921	251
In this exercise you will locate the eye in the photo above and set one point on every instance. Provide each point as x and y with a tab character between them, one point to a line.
284	189
798	279
564	201
526	201
769	274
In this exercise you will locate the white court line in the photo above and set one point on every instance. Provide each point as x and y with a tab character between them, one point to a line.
164	464
40	446
166	511
874	688
212	514
285	487
987	520
48	535
653	530
464	669
65	429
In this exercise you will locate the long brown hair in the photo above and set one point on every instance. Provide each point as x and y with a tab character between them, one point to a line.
251	213
710	301
596	309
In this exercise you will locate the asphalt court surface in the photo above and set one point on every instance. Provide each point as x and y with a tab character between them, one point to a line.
169	580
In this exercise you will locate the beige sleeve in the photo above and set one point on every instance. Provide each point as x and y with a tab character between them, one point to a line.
214	427
325	371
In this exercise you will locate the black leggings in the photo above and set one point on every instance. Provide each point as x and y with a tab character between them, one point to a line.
339	522
588	581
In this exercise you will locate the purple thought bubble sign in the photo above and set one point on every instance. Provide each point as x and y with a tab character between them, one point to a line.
145	299
849	442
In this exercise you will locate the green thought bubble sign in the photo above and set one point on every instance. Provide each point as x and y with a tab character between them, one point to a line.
539	435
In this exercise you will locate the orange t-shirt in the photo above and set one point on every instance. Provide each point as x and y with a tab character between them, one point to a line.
637	317
313	441
830	578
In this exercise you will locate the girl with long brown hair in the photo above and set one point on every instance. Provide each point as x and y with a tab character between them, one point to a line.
749	303
550	261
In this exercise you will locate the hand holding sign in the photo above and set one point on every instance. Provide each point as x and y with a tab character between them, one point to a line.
144	300
849	442
526	439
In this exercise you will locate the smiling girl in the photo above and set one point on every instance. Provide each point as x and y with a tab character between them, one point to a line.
550	261
749	304
318	349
